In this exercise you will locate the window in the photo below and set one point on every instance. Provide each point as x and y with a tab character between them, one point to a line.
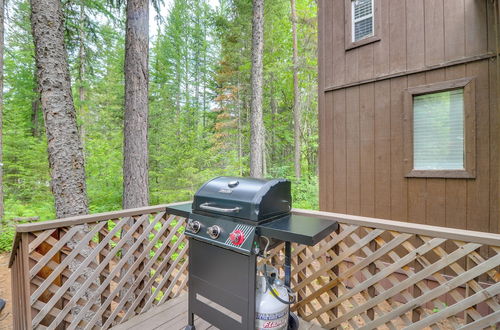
440	130
361	19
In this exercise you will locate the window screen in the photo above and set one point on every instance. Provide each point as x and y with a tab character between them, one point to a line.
362	19
438	131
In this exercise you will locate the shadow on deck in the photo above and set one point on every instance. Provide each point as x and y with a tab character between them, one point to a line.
172	315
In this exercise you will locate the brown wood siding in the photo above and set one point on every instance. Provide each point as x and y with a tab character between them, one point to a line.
363	152
361	125
494	151
414	34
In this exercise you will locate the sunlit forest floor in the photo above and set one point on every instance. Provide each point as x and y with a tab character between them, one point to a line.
6	314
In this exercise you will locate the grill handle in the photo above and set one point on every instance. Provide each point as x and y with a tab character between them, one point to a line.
208	207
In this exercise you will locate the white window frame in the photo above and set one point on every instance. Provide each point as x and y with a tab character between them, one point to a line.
355	20
349	25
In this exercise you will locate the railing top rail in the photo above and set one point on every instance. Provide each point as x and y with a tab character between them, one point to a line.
87	218
80	220
408	227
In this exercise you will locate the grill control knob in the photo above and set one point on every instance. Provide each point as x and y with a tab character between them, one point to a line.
214	231
237	237
194	226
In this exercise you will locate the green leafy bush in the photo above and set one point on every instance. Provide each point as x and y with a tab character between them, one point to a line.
7	233
305	193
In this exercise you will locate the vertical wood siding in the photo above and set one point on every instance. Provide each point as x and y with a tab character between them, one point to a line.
414	34
361	126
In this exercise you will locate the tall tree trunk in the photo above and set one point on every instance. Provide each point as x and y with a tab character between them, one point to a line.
274	111
81	71
187	100
135	164
135	131
205	64
65	151
239	106
257	123
296	96
197	64
178	99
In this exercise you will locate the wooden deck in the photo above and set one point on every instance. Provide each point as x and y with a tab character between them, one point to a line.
77	273
172	315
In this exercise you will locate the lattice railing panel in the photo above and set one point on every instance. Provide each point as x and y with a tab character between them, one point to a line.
102	273
101	270
366	277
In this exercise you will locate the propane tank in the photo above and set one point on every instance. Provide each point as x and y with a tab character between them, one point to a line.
271	313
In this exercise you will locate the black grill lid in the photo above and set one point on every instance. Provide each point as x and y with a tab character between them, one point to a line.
245	198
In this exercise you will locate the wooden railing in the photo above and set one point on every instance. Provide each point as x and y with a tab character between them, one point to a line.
96	271
100	270
377	273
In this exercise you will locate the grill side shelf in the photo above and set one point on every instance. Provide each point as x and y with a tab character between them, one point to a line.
181	209
298	229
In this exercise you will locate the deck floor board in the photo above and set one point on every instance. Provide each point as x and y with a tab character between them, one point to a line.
172	315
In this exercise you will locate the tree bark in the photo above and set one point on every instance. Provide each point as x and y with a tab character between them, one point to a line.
239	106
296	95
65	151
274	111
257	123
81	71
135	164
66	160
135	131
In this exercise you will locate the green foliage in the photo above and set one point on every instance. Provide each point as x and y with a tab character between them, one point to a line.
7	233
103	127
305	193
200	64
183	150
26	176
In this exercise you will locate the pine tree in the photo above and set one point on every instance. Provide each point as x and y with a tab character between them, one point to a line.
135	129
54	83
257	140
26	174
296	96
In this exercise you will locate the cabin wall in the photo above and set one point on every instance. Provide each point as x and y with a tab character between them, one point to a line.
361	111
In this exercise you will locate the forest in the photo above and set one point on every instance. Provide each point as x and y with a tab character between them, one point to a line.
200	96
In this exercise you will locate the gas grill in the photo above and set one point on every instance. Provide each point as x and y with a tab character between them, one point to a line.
231	222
